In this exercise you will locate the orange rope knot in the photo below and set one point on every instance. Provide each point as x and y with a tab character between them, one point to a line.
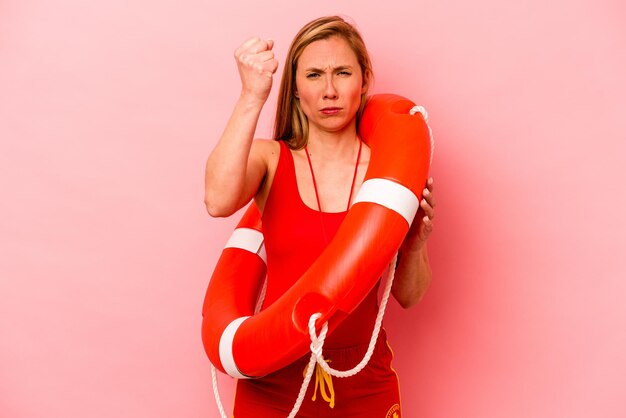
322	380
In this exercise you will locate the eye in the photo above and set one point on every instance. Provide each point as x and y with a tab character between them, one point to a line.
312	75
344	72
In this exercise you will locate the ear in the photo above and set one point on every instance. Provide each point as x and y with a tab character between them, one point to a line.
296	95
366	82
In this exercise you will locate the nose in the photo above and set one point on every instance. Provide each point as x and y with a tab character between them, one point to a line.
330	92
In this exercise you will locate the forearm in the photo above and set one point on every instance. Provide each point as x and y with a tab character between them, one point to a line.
413	276
226	167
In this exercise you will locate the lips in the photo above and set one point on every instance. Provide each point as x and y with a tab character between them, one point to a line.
329	111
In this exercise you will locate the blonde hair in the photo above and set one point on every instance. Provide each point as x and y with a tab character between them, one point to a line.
291	124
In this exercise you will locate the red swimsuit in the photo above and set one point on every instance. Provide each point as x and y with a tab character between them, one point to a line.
293	241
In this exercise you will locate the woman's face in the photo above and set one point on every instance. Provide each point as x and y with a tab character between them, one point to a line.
329	84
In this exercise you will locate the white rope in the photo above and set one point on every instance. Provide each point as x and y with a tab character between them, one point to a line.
216	393
317	342
307	378
422	110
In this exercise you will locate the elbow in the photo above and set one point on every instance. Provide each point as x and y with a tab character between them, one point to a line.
410	298
217	210
409	302
215	204
214	212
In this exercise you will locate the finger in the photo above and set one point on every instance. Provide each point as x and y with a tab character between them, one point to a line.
271	66
256	61
426	229
264	56
430	183
259	46
270	44
247	44
428	198
427	195
266	67
428	209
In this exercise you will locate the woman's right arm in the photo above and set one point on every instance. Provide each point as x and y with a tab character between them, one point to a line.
236	166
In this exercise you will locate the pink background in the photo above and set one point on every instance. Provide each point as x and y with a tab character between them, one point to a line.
108	111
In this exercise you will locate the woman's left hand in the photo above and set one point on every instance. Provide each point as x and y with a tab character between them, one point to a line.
423	223
413	273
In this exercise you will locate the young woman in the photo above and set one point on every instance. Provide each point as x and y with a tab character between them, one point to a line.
303	182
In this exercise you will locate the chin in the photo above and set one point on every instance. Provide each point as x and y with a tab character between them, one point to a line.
336	125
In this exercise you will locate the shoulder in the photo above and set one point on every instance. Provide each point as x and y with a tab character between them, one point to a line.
267	145
266	149
265	152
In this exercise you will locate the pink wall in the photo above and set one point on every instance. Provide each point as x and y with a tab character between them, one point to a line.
109	109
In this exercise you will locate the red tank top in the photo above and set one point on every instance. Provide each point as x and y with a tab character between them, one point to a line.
294	240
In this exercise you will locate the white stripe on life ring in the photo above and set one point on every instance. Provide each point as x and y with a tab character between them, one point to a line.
391	195
226	348
248	239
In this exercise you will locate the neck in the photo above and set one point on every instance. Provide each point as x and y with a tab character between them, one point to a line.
333	144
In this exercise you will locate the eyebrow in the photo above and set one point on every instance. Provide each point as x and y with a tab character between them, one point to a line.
341	67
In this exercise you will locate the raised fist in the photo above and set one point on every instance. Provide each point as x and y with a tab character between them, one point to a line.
257	65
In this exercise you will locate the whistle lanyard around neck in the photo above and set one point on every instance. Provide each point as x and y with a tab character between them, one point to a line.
317	195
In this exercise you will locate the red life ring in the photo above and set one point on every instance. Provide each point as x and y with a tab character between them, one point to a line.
244	344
